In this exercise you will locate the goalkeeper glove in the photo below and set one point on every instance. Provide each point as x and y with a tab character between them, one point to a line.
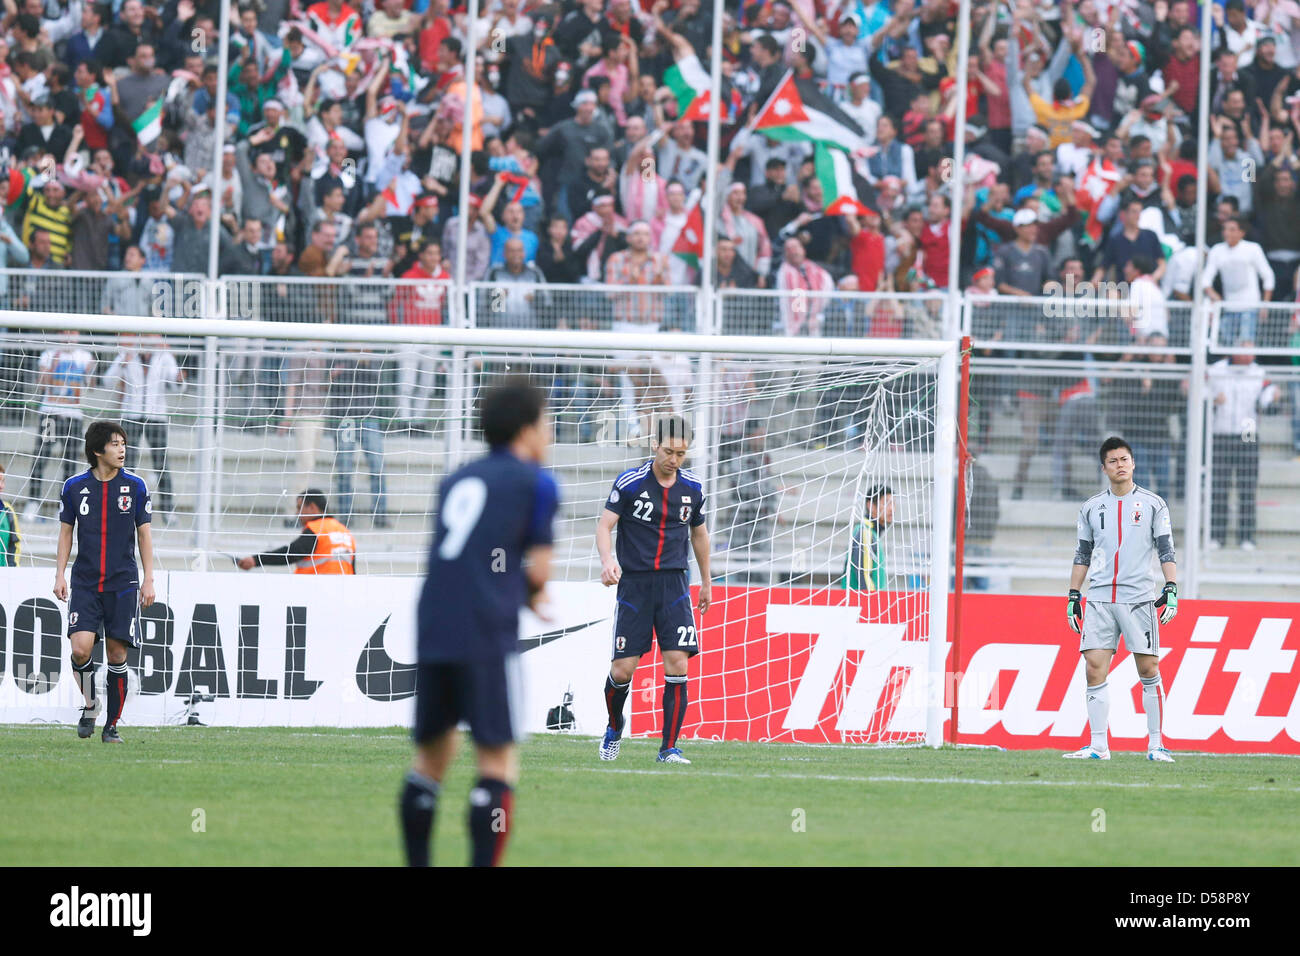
1168	602
1074	611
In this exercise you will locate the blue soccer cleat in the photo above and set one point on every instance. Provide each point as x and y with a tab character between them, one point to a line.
1160	755
671	755
609	745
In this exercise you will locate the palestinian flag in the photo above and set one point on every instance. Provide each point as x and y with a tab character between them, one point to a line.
400	194
690	84
1093	187
835	173
797	111
690	243
15	184
148	125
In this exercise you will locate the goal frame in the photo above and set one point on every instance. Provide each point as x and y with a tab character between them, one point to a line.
945	352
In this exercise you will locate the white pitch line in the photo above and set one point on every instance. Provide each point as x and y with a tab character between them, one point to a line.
897	779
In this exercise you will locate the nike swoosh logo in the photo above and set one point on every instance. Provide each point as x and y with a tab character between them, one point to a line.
532	643
379	676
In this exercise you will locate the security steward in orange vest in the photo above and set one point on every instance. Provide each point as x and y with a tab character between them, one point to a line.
324	547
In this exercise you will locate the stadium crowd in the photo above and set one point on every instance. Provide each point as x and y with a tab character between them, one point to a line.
344	125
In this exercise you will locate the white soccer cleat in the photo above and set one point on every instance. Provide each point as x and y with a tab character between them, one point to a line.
1160	754
1087	753
609	745
671	755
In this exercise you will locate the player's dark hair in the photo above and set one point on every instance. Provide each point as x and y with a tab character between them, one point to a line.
98	435
1110	444
1143	264
876	492
316	497
507	409
672	426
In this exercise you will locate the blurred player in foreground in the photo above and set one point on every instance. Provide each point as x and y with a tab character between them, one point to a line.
657	507
111	510
491	556
1121	532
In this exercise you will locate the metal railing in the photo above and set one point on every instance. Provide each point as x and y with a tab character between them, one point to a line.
1050	377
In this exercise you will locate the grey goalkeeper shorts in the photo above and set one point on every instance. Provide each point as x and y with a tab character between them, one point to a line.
1103	624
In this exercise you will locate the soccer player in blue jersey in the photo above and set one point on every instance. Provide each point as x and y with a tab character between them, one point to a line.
658	508
111	511
491	555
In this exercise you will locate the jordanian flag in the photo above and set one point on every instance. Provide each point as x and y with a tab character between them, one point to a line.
690	84
835	173
148	125
690	241
797	111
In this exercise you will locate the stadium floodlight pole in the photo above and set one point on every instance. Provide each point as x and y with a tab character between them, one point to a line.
709	199
213	295
958	179
462	227
219	141
1195	437
458	425
707	316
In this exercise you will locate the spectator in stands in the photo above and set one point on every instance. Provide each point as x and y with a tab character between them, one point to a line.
356	409
478	246
802	314
1278	224
141	375
1149	403
775	201
244	255
555	257
1240	393
1129	241
679	159
1147	313
306	396
513	302
510	227
1228	174
128	293
1246	277
572	140
747	231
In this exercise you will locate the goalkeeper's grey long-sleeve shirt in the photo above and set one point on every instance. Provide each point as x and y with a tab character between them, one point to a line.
1122	541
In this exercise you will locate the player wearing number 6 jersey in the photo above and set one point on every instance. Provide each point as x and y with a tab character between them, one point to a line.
110	509
1122	533
658	507
491	555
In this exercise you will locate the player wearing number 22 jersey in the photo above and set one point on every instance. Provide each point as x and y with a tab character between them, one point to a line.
490	557
658	510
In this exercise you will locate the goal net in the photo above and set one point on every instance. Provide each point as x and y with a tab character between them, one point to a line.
827	468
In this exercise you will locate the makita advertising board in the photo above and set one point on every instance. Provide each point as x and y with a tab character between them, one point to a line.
776	664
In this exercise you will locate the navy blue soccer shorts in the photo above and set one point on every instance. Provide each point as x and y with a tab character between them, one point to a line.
485	694
114	614
658	603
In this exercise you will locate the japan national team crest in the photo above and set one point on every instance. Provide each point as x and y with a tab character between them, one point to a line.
72	619
1137	513
123	503
620	643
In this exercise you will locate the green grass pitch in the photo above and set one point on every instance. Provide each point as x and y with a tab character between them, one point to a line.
323	797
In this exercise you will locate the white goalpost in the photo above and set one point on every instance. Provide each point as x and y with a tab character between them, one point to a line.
791	434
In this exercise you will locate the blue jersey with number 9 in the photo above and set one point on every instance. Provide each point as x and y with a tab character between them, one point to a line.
490	513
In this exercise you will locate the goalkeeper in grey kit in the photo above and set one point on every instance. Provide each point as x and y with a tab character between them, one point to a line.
1122	532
